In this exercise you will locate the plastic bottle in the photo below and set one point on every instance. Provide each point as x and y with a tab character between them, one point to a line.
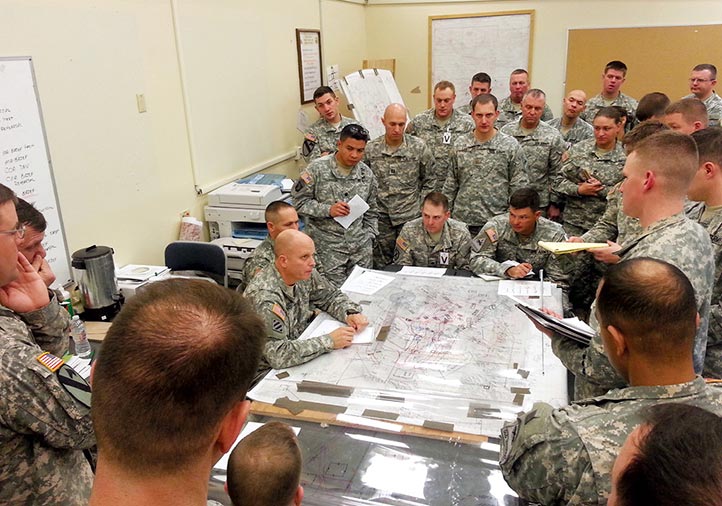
67	302
80	336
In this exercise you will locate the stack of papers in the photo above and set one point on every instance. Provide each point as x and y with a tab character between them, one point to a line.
571	328
560	248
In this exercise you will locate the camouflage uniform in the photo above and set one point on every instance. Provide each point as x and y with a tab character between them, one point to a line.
464	109
676	240
581	211
580	131
262	256
482	176
287	311
543	149
713	224
324	137
613	225
404	176
714	108
439	137
565	456
415	246
320	186
597	102
43	430
509	114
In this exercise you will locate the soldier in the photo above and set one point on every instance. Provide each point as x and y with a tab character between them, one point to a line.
322	193
658	173
615	73
702	81
45	406
439	127
480	85
321	138
686	116
648	313
285	293
652	106
31	246
403	166
199	345
510	107
573	128
434	240
706	189
279	216
487	166
543	148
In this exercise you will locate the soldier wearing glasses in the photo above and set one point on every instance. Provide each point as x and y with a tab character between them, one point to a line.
701	83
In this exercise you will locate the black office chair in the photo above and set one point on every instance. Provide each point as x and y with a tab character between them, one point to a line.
195	259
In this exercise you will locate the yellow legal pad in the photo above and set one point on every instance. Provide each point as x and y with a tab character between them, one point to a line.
560	248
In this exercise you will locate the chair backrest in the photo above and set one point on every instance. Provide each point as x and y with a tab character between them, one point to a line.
206	257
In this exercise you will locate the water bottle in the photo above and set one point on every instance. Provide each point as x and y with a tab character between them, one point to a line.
82	345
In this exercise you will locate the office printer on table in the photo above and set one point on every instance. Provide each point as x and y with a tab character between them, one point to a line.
236	216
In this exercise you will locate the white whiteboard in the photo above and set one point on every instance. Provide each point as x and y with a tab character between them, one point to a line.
495	43
24	155
368	93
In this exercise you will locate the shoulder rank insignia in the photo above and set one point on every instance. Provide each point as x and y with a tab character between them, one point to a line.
278	310
50	361
491	234
402	243
74	384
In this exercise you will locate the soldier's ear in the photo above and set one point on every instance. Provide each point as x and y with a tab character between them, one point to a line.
617	342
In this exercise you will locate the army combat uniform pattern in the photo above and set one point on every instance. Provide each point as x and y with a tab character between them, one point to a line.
482	176
287	311
613	225
714	108
322	137
565	456
440	136
43	430
676	240
404	176
597	102
509	113
415	246
580	131
543	149
320	186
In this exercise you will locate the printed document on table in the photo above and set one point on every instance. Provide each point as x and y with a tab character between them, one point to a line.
520	288
368	283
358	208
247	429
366	336
424	272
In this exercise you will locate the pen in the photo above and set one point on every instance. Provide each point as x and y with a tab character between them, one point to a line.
541	282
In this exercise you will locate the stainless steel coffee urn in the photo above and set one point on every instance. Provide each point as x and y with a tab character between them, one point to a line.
94	272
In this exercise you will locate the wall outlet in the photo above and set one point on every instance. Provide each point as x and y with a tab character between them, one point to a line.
298	153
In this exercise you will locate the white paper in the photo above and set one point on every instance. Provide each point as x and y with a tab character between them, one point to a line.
249	428
578	324
424	272
358	208
487	277
302	121
366	336
368	283
80	365
524	288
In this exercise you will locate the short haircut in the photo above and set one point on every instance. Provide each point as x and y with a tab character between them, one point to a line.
691	109
652	303
523	198
616	65
274	208
354	131
611	113
652	105
323	90
484	98
443	85
29	216
195	348
264	469
481	77
709	144
436	199
706	66
674	158
516	72
678	459
627	116
535	93
7	195
642	131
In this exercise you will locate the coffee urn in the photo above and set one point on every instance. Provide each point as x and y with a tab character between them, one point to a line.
94	272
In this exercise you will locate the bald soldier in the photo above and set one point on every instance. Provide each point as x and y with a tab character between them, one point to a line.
284	294
404	168
573	128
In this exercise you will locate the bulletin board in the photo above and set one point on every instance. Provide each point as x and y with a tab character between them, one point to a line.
658	58
462	45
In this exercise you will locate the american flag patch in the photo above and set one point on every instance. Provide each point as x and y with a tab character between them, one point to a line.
50	361
306	177
278	310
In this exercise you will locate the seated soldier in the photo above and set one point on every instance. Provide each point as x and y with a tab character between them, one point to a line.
434	240
652	106
284	293
264	469
686	116
31	246
648	318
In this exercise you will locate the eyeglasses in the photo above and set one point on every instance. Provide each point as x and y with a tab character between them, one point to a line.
19	230
696	80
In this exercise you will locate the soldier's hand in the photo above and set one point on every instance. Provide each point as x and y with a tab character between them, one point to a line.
519	271
42	267
574	238
607	255
590	189
339	209
342	337
357	321
28	292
